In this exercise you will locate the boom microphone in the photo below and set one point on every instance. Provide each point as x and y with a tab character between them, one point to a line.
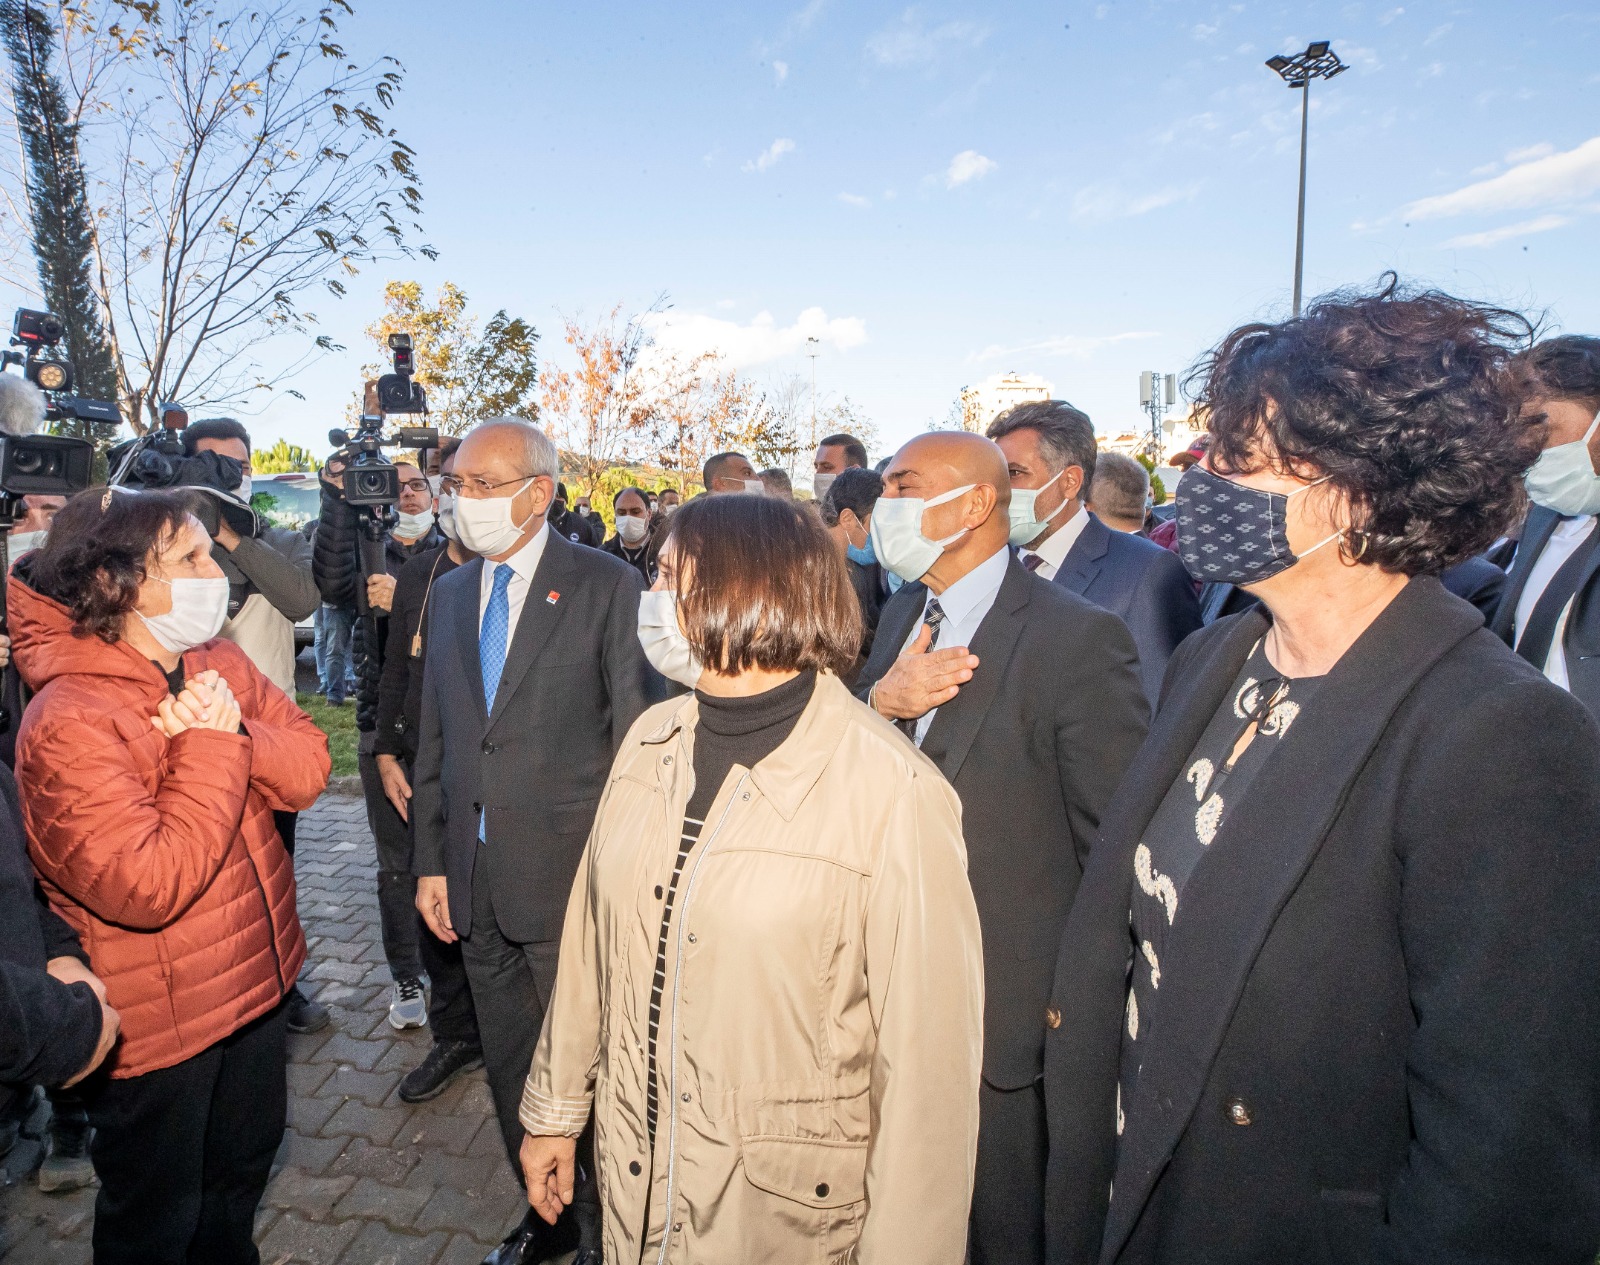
21	406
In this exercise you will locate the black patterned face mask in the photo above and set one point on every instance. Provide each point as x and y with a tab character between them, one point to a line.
1231	534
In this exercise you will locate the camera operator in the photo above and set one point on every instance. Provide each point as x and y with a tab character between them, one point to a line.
452	1019
337	566
271	587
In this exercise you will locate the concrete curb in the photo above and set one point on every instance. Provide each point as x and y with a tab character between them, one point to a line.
349	784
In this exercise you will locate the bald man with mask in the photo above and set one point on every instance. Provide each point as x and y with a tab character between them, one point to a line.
1027	697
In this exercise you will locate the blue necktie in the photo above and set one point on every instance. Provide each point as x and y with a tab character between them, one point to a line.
492	636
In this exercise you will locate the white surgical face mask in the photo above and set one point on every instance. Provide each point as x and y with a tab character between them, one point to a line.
1025	528
754	487
486	526
821	483
413	526
632	530
1563	478
447	515
199	609
897	537
20	542
243	490
664	643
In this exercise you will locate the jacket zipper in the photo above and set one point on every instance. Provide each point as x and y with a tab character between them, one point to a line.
677	985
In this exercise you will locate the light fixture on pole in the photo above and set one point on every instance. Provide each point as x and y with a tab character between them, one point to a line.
1319	61
1157	393
813	346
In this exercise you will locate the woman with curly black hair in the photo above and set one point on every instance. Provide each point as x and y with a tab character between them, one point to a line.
1328	991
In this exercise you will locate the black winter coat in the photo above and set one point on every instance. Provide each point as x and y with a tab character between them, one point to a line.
1373	1039
336	564
48	1030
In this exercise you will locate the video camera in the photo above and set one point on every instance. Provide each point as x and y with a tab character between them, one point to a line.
397	393
371	481
51	371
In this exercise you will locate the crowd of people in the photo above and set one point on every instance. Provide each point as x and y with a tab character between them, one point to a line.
976	862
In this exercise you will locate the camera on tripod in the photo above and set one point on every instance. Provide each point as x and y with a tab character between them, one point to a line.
50	370
397	393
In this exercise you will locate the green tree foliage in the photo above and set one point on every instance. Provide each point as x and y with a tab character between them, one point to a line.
469	373
282	458
58	205
1158	489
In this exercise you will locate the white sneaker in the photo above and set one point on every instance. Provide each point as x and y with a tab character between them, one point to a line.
408	1004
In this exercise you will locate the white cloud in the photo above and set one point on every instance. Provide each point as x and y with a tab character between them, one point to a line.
1551	180
781	70
855	199
1203	31
911	42
1390	16
1470	241
1072	345
1542	150
1101	202
760	341
1438	33
969	164
769	157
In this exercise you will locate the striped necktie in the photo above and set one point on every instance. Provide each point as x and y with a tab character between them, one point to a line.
933	616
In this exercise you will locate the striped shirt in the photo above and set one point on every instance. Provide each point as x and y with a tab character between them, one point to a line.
658	983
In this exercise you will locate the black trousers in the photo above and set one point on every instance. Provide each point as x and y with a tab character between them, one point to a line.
397	888
511	987
183	1153
1007	1226
450	1013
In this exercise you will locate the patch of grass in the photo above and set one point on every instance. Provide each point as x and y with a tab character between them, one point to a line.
339	723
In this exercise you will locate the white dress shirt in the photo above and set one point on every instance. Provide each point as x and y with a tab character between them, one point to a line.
1053	552
965	603
523	563
1569	533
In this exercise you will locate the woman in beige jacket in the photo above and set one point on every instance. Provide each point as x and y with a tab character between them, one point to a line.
770	990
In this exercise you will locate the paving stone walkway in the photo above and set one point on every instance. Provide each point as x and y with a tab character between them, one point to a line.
362	1178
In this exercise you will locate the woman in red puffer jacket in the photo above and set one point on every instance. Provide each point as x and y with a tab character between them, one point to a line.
150	761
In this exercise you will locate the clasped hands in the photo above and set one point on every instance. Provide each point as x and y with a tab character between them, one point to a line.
207	702
922	679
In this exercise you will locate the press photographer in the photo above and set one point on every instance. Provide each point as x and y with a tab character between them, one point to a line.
374	518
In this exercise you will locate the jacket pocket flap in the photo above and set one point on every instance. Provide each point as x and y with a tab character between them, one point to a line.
819	1172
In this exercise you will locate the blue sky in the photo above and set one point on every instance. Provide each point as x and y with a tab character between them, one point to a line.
1081	189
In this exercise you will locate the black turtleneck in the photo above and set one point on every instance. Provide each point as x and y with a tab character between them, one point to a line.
731	731
742	731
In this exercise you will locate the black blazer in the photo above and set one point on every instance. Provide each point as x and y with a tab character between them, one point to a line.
1375	1032
1034	745
1581	640
1141	583
575	678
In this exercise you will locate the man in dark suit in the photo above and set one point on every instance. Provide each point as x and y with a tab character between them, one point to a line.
1050	453
533	675
1550	610
1027	698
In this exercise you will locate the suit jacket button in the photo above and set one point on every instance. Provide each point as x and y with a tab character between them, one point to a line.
477	807
1238	1112
633	1167
488	748
1052	1017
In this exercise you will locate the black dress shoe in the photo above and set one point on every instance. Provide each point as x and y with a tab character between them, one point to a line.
445	1061
534	1242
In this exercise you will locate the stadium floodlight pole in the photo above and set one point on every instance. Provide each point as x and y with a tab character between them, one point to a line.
1319	61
